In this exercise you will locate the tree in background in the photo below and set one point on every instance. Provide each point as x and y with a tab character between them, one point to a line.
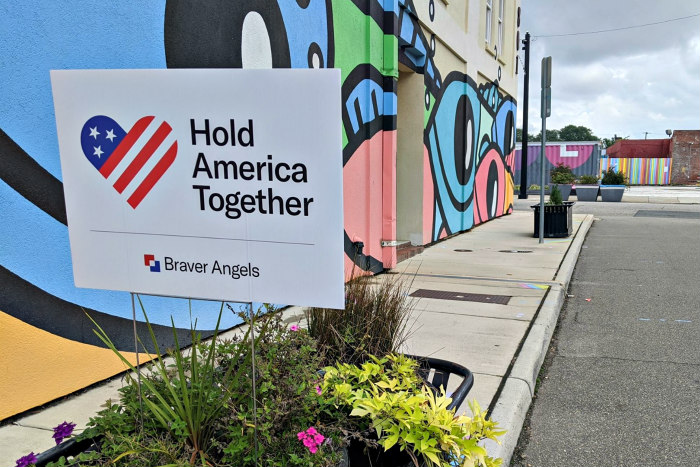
519	135
568	133
607	142
552	135
576	133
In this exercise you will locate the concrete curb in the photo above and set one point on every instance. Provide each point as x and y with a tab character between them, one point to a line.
512	405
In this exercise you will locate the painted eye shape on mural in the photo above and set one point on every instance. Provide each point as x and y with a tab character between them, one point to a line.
250	34
315	56
464	140
256	50
221	34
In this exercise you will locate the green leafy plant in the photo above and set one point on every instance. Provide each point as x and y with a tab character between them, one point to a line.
562	174
555	196
393	401
610	177
374	321
185	399
587	180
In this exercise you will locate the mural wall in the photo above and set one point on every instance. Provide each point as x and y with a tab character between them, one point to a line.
647	171
583	158
468	146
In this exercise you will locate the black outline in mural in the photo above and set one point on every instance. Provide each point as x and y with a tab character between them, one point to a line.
24	175
33	305
25	301
209	36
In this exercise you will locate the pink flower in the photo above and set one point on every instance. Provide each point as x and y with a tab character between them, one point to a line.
311	439
293	327
318	390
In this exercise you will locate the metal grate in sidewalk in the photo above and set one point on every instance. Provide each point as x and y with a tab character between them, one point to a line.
461	296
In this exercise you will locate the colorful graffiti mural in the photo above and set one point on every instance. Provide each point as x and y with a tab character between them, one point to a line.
468	146
583	159
647	171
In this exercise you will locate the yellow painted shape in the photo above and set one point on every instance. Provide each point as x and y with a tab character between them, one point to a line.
37	367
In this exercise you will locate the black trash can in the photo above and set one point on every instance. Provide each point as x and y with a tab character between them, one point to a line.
557	220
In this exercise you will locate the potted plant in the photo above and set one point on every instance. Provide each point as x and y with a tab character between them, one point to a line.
197	406
557	216
587	188
612	185
563	178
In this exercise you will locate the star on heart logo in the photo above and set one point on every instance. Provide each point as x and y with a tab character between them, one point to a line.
132	161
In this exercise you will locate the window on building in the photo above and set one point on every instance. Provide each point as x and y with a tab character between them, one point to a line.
489	13
501	13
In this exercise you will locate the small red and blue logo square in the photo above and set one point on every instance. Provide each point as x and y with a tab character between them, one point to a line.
151	263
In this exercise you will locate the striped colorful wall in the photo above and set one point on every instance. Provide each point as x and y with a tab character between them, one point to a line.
646	171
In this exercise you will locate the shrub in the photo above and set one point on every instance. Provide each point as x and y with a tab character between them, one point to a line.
610	177
374	321
392	400
587	180
562	174
555	196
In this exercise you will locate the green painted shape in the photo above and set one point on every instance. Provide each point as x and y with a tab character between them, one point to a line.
429	110
358	39
391	56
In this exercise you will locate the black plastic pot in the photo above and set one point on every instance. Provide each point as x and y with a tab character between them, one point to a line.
557	220
65	449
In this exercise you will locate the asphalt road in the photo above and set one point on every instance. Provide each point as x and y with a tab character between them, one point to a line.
621	384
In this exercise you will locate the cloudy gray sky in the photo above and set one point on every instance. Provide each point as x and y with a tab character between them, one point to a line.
625	82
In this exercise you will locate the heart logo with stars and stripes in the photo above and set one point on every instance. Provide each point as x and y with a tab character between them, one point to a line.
132	161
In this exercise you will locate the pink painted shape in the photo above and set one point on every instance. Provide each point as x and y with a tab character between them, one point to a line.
555	154
481	185
362	191
389	258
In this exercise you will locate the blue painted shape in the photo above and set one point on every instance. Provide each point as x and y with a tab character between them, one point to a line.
499	129
363	93
36	37
305	26
391	104
36	248
99	138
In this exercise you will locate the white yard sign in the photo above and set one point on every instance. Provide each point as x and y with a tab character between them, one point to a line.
213	184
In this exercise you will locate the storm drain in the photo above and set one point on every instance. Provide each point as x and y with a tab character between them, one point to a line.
515	251
462	250
668	214
461	296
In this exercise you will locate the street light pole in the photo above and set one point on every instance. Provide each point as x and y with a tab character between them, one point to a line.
526	97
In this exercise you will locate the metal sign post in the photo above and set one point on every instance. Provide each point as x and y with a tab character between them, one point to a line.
546	111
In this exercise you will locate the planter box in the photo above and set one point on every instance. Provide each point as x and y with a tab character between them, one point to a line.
565	190
587	192
557	220
435	372
612	193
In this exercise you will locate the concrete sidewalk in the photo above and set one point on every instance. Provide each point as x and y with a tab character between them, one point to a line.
494	298
662	194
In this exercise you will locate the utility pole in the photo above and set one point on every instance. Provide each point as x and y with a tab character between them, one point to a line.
526	97
546	111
